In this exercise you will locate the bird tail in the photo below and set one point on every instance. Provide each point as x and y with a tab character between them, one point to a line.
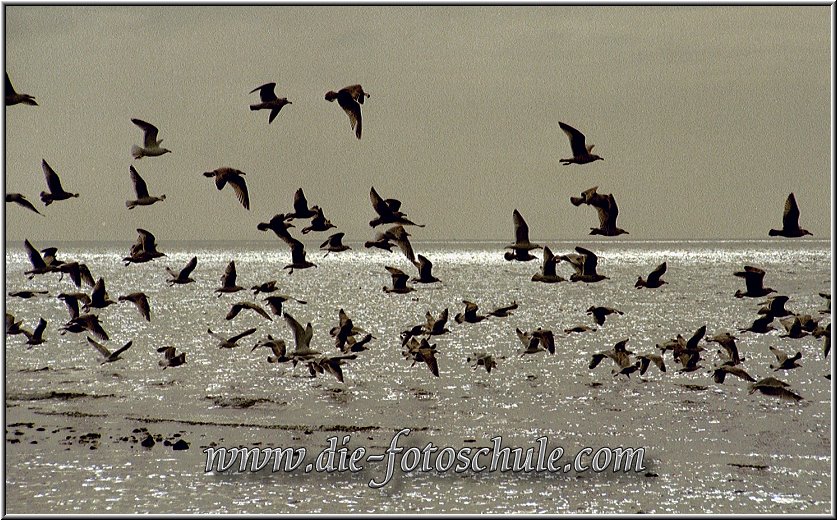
263	226
254	107
136	152
577	201
131	204
773	232
331	95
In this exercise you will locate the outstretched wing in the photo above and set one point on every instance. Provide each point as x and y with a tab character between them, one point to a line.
150	132
576	139
140	187
266	92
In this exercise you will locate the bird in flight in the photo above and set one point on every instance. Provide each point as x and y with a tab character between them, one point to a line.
581	151
269	101
350	98
151	145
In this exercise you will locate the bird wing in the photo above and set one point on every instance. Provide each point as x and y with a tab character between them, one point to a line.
242	335
590	260
98	346
297	251
352	109
150	132
9	88
521	229
655	275
239	186
34	256
146	240
52	180
378	204
781	357
576	139
123	348
229	276
186	271
140	187
399	277
266	92
300	202
297	330
790	217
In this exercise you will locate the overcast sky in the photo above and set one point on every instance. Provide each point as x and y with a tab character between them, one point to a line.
707	117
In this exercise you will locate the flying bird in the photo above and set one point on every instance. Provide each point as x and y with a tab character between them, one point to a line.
88	322
19	199
275	303
301	209
56	191
399	281
785	362
228	284
521	245
36	337
318	222
269	101
279	225
425	268
298	260
585	264
231	342
171	358
182	277
754	280
350	98
422	352
774	387
141	189
334	244
600	313
144	249
581	151
470	314
389	211
607	209
141	301
790	221
233	177
239	306
107	355
15	98
654	278
151	145
548	273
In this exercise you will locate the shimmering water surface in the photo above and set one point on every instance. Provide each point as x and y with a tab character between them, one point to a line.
709	448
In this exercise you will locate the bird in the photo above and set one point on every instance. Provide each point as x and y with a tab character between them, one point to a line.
88	322
425	268
344	329
790	221
600	313
628	370
71	300
269	101
653	280
26	294
15	98
793	326
784	361
275	302
36	337
21	200
399	281
584	263
581	151
301	209
144	249
774	387
470	314
266	287
141	189
13	326
277	346
302	339
646	359
548	273
279	225
482	359
334	244
546	339
231	342
36	260
503	311
56	191
99	298
151	145
761	325
318	222
389	211
298	260
228	284
775	307
328	363
182	277
521	238
619	354
607	209
171	358
579	329
436	326
235	179
239	306
107	355
350	98
141	301
754	280
719	374
531	343
422	352
727	341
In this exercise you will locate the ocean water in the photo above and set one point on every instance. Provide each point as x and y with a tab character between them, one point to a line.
708	448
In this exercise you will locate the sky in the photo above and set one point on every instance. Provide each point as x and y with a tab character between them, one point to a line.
707	117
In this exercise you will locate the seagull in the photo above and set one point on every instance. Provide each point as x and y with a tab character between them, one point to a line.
13	327
761	325
183	276
19	199
233	177
141	301
389	211
775	307
785	362
399	281
99	298
331	364
298	260
790	221
56	191
585	264
38	264
645	361
88	322
228	284
600	313
607	209
548	274
36	337
436	326
277	346
72	300
653	280
350	98
521	239
628	370
144	249
483	359
579	329
151	145
344	330
531	343
334	244
13	98
107	355
720	373
301	209
502	312
25	294
239	306
727	341
279	225
581	152
318	222
546	339
754	278
619	354
267	287
774	387
231	342
470	315
422	352
794	329
269	101
171	358
425	268
302	339
275	303
141	189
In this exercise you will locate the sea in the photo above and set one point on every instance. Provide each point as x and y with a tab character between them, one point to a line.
74	427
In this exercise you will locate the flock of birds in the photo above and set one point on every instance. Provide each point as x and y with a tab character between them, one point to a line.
349	339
